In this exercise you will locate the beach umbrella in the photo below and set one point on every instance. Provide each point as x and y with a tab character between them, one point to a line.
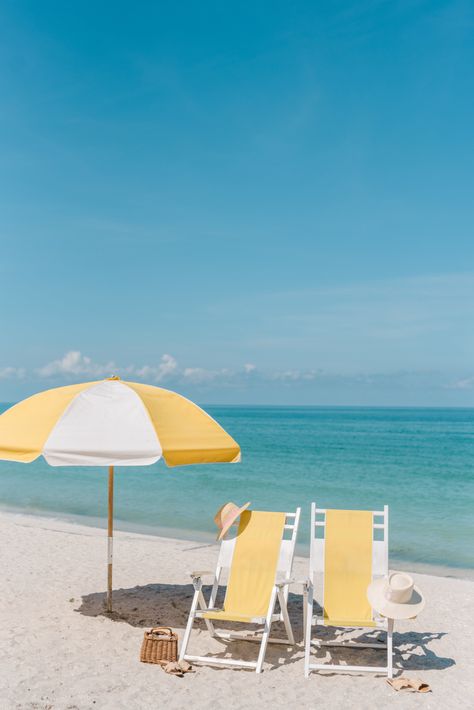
112	423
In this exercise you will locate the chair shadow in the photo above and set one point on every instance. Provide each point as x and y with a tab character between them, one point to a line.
169	604
411	650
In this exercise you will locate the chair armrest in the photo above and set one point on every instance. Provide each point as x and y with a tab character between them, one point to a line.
200	573
292	580
204	610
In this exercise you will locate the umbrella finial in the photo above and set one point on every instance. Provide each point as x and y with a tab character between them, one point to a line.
113	377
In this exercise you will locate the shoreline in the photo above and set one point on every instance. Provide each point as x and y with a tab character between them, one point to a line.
199	537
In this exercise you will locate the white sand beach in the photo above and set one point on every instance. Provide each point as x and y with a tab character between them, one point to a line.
58	649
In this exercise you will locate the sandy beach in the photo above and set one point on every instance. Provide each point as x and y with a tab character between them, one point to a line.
58	649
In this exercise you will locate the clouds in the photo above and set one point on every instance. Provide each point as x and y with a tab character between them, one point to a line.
249	383
74	363
465	383
201	375
167	367
288	346
12	373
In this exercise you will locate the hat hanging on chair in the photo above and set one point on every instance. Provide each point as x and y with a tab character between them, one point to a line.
226	516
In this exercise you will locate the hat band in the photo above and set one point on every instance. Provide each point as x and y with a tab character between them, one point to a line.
399	596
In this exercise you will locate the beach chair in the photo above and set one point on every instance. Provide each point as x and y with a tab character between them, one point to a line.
349	549
258	564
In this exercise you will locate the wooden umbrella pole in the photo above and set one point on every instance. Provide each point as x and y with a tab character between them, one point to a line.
110	533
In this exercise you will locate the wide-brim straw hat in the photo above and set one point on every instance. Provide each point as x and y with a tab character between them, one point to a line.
396	596
227	515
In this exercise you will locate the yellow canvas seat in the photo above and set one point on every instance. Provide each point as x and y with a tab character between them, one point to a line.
253	558
344	560
349	623
254	566
347	568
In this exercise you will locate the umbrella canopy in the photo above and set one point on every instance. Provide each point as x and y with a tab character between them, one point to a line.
112	423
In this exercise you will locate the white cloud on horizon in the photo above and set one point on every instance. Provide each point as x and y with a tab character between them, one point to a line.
466	383
200	375
74	364
9	373
166	368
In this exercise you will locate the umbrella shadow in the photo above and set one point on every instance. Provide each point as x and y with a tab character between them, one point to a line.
167	605
143	606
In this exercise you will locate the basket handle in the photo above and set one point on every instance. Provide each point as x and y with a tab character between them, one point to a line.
166	630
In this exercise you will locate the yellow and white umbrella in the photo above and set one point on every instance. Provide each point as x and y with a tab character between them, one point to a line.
112	423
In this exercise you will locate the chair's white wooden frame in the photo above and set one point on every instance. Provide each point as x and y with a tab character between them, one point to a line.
316	567
280	592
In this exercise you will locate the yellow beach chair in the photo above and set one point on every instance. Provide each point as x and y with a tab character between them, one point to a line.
258	563
349	549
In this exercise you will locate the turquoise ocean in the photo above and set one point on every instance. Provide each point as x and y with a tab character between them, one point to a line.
418	461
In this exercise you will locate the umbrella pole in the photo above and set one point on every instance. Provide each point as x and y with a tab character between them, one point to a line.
110	533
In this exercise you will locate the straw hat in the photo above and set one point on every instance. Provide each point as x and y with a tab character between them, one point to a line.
396	596
226	516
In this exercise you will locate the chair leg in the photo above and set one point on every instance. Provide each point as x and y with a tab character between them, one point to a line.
305	611
390	649
208	622
189	625
286	618
308	625
266	631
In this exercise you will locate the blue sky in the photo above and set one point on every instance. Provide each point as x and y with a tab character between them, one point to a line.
249	202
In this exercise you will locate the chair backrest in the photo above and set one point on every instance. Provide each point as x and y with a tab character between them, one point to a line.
349	548
257	543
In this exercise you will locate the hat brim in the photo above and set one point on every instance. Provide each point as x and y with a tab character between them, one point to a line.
394	610
230	520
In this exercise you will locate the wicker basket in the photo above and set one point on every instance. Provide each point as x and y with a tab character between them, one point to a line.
160	645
